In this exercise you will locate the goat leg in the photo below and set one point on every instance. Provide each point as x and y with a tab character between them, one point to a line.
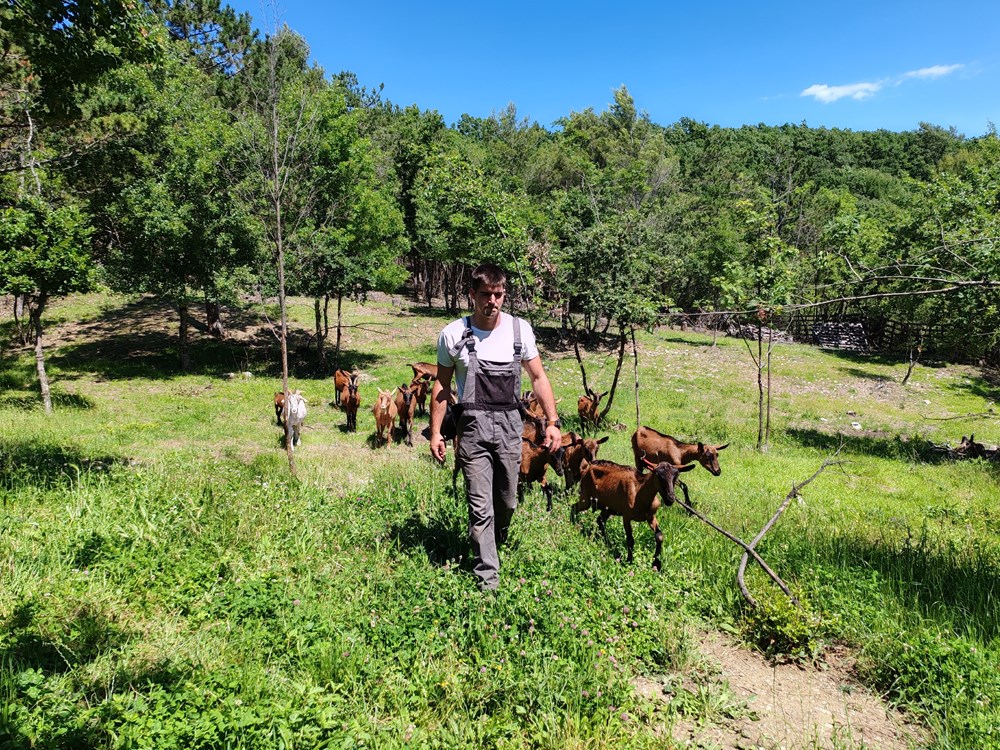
602	521
658	536
629	540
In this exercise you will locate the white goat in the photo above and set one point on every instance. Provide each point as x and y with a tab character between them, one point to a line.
295	415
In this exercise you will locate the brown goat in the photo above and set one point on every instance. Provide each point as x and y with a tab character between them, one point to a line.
385	415
405	406
424	370
578	451
623	491
656	447
534	461
350	400
279	406
587	406
341	378
420	387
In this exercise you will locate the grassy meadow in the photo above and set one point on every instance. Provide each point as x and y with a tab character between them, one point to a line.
165	584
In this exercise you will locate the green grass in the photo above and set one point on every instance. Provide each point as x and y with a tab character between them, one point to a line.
165	584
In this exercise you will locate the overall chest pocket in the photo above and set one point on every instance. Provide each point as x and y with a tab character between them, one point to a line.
496	386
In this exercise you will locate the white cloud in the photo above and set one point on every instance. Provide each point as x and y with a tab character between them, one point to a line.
827	94
935	71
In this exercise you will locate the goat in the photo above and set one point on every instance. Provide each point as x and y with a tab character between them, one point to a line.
405	406
586	407
295	416
578	451
419	387
649	444
623	491
385	414
341	379
279	406
534	461
350	400
533	429
424	370
533	406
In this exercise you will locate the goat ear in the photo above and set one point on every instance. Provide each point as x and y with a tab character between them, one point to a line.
603	440
722	447
701	448
688	467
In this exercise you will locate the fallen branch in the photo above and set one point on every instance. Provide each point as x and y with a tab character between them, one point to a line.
767	527
748	549
979	415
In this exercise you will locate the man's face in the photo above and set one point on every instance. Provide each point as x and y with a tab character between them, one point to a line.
488	299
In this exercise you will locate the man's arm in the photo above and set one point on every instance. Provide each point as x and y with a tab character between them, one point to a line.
542	389
439	403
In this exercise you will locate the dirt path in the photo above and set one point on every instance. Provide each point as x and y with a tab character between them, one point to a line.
787	706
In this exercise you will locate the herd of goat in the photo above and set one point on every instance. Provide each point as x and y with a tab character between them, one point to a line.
634	493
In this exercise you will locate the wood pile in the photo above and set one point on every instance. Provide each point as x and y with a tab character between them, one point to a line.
849	336
749	331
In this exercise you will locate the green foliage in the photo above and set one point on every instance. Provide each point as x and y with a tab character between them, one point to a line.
44	249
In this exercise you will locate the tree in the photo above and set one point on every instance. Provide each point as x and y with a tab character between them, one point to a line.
279	130
175	228
353	233
44	253
464	218
760	278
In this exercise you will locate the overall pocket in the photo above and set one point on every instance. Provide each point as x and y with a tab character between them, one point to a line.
496	385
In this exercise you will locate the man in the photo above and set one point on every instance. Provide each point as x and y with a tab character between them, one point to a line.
485	353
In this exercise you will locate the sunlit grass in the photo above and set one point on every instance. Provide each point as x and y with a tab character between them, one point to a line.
167	583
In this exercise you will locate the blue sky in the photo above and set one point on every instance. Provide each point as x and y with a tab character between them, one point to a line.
857	65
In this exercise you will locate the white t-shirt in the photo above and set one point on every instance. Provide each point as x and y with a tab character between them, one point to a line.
493	346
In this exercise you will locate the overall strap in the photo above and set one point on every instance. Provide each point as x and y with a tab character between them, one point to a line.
517	342
468	340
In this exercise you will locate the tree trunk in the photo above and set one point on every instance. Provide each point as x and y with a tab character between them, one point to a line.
282	304
320	333
213	319
340	326
767	420
635	360
185	325
761	448
35	314
622	338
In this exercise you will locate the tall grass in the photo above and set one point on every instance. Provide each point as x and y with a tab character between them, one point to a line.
165	584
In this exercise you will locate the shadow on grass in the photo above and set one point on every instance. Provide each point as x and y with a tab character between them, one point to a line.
45	466
140	340
443	537
876	358
84	636
881	446
954	587
857	372
59	401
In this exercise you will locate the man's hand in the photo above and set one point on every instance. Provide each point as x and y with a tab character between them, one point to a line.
438	448
553	438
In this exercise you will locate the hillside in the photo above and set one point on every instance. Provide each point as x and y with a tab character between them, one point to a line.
166	584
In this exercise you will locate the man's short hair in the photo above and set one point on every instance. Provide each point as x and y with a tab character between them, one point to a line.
489	274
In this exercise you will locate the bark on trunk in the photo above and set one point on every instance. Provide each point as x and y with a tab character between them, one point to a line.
320	333
340	320
760	388
35	313
213	319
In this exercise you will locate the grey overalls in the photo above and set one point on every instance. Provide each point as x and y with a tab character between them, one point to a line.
489	449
